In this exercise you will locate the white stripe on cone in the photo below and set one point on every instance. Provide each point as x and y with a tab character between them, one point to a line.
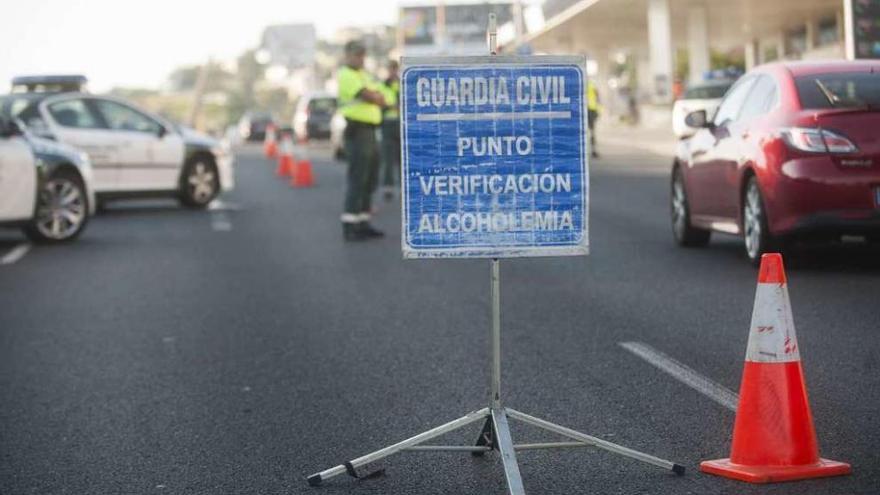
772	336
287	146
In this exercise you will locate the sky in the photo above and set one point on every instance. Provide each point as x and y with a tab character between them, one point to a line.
137	44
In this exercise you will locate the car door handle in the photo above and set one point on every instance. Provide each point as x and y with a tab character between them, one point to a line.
745	134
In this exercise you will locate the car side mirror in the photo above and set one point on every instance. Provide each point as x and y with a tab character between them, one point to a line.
697	119
161	132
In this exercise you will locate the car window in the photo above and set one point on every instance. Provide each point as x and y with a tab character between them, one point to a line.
123	118
761	98
710	92
842	90
730	107
74	113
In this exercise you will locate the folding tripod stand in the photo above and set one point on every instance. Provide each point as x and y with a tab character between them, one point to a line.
496	432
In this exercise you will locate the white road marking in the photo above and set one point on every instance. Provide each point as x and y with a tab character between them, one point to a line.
220	205
684	374
220	222
15	254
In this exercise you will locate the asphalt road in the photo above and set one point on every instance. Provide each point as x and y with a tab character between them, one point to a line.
238	350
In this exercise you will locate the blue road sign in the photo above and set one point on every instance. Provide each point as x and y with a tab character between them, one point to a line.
494	157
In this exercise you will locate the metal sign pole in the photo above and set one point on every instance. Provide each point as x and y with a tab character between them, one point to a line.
496	425
495	434
495	334
495	276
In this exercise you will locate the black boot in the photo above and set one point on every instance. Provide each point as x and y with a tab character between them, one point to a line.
352	232
368	230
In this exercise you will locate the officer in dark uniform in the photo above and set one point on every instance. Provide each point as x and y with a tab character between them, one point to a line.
361	103
391	131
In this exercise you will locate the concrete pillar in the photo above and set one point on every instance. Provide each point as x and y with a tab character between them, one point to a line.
660	43
644	83
811	35
849	43
780	47
698	43
751	54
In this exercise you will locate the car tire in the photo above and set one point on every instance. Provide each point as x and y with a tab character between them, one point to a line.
62	210
756	232
199	182
685	234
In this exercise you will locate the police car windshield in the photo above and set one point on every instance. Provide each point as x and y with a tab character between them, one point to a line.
12	106
707	92
22	107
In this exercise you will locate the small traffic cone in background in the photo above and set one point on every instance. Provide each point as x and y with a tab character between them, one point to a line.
270	147
285	158
302	172
773	436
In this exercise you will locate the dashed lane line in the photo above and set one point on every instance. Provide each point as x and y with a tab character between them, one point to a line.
684	374
15	254
220	205
220	222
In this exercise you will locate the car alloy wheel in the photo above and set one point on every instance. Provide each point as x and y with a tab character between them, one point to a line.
753	221
61	210
201	183
684	233
679	208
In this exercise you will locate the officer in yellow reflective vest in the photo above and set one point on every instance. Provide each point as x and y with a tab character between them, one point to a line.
361	103
391	131
592	114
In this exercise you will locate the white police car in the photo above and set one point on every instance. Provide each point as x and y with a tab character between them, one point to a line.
45	187
134	153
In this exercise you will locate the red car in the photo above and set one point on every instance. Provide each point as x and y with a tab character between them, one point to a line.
792	151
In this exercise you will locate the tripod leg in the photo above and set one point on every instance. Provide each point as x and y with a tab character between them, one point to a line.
347	467
504	443
596	442
486	438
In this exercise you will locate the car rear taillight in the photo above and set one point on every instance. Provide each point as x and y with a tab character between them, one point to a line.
817	140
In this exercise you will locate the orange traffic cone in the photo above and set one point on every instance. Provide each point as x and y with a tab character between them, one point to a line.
270	147
302	172
285	160
773	437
